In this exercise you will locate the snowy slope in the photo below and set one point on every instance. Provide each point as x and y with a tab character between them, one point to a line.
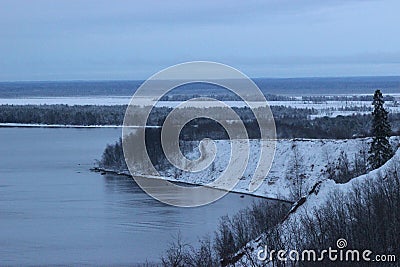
314	153
313	201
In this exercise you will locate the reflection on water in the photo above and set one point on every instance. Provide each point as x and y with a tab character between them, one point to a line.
120	184
141	211
54	211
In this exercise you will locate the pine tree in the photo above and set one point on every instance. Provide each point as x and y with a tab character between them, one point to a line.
380	150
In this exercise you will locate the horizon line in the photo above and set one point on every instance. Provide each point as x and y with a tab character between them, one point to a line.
253	78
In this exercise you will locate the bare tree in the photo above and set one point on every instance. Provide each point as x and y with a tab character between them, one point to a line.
176	255
295	173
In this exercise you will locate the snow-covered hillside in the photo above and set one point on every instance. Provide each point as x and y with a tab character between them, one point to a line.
313	201
313	156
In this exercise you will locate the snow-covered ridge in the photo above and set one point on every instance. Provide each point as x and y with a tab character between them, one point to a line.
313	154
316	198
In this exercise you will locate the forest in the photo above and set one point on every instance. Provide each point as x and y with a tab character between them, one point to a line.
290	122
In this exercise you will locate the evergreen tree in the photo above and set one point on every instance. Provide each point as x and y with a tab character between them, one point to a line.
380	150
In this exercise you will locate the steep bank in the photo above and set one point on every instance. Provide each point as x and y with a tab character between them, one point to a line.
313	156
309	207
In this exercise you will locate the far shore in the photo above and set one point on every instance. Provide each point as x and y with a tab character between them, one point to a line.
35	125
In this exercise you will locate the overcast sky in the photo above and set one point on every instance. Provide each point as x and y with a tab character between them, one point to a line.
97	39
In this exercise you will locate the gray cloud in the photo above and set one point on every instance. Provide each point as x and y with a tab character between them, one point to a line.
74	39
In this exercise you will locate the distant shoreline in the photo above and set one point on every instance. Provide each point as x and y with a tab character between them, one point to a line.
36	125
144	101
277	85
28	125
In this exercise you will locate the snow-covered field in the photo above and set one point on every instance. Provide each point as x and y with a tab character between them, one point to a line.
106	100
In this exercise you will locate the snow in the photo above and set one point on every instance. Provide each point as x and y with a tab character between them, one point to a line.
316	200
328	187
105	100
314	153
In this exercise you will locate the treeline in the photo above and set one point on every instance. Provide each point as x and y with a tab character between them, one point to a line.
62	114
110	115
340	127
113	157
292	125
290	122
323	99
113	115
222	97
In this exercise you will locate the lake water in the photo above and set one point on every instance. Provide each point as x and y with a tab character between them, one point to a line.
54	211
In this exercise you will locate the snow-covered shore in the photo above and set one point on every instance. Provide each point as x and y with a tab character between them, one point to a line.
314	155
104	171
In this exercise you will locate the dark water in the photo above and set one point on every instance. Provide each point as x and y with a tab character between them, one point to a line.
54	211
277	86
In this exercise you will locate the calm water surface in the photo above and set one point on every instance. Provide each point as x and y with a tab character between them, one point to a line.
54	211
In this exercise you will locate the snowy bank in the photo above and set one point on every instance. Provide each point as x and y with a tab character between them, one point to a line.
318	197
312	155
